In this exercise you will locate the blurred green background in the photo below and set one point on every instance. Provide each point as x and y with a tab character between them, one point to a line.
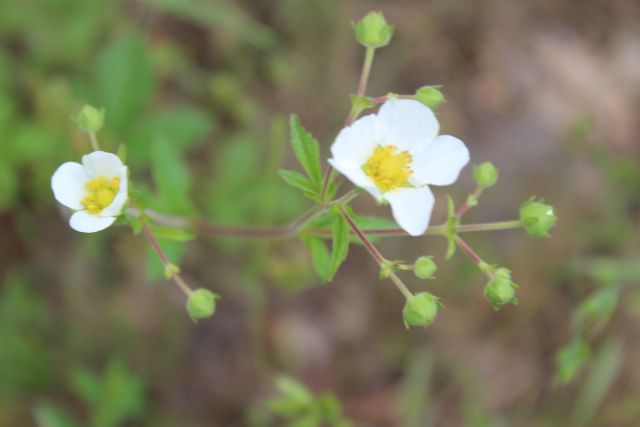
199	91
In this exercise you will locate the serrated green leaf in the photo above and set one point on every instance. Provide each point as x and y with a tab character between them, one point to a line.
299	181
307	151
320	257
340	245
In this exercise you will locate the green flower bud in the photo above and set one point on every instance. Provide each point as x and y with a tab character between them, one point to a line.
373	31
501	290
537	218
431	96
201	304
420	310
424	267
485	174
89	119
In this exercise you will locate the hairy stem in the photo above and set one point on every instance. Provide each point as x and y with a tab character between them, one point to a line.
468	250
165	259
362	88
375	254
466	206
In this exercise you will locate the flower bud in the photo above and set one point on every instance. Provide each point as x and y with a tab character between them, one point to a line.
89	119
485	174
537	217
201	304
501	290
420	310
431	96
424	267
372	31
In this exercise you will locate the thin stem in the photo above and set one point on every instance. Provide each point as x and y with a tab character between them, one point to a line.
165	259
375	253
284	231
94	141
466	206
353	114
474	256
366	70
436	230
382	99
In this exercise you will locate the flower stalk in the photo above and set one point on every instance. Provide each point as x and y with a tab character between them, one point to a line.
375	254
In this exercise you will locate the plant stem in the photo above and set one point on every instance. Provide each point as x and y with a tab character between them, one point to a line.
375	254
278	232
436	230
353	115
165	259
474	256
382	99
94	141
466	206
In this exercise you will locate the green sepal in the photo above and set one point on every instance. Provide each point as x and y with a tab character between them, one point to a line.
451	227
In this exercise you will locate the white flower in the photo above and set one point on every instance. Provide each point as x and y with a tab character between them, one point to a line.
395	154
96	190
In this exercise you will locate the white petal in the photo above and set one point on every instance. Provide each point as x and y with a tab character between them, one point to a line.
355	174
101	163
115	208
412	208
68	184
354	144
408	124
87	223
441	162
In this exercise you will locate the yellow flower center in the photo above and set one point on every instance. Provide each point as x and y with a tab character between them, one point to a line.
101	194
389	168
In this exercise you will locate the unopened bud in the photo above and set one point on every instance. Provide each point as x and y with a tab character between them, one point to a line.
201	304
501	290
424	267
537	218
89	119
421	310
431	96
372	31
485	174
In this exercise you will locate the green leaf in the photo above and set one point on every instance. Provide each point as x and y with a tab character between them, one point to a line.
320	257
185	127
307	151
299	181
171	177
176	234
604	368
125	81
340	245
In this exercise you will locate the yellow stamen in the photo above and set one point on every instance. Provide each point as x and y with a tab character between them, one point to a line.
389	168
100	194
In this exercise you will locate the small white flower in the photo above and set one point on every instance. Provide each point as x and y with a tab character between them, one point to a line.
395	154
96	190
